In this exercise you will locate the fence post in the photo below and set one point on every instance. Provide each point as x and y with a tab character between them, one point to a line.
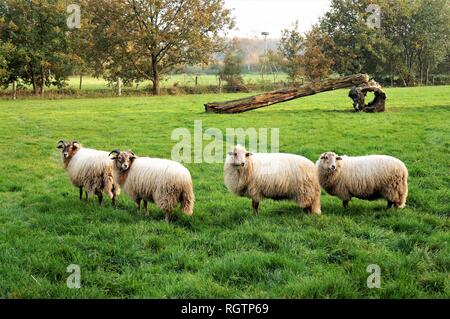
119	86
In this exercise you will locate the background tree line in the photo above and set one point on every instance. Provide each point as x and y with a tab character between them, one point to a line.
411	42
137	40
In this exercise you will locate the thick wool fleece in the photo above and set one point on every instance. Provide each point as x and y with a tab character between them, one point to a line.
162	181
275	176
367	177
92	169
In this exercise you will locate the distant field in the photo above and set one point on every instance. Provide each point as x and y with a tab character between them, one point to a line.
92	84
223	250
180	79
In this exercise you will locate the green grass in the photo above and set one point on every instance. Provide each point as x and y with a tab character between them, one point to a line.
99	84
90	83
223	250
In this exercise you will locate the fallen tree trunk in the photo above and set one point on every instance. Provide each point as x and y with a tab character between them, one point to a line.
269	98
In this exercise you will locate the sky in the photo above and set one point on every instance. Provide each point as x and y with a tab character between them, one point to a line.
256	16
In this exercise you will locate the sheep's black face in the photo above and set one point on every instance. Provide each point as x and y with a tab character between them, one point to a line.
329	161
123	160
68	149
239	156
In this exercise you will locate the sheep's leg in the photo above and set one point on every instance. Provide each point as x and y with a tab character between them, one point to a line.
168	217
389	204
398	205
315	209
81	192
145	207
345	203
113	195
137	202
255	206
100	197
87	195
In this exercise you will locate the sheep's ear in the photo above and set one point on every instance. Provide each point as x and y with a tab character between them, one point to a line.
322	156
132	155
248	154
338	158
60	144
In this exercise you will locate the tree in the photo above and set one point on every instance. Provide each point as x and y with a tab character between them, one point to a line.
305	54
6	49
412	39
146	39
317	65
354	45
37	29
83	54
230	71
418	33
291	48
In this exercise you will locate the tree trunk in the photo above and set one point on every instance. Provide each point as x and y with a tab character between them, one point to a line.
156	79
33	79
14	89
358	95
81	81
156	88
421	74
42	81
283	95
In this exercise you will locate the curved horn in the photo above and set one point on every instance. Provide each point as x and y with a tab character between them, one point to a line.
59	144
114	152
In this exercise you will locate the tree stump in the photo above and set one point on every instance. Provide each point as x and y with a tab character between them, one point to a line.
358	95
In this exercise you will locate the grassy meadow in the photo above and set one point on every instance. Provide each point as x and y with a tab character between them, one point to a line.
223	251
91	83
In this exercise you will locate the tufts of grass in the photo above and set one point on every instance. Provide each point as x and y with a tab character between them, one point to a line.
223	251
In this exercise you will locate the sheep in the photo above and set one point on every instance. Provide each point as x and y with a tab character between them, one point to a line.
162	181
90	169
366	177
276	176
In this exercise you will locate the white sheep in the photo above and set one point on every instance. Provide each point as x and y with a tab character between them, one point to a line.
90	169
162	181
276	176
366	177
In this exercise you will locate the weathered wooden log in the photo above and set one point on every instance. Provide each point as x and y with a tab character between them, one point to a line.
278	96
358	95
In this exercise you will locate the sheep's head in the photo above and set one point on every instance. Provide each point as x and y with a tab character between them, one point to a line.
239	156
122	160
68	149
330	162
